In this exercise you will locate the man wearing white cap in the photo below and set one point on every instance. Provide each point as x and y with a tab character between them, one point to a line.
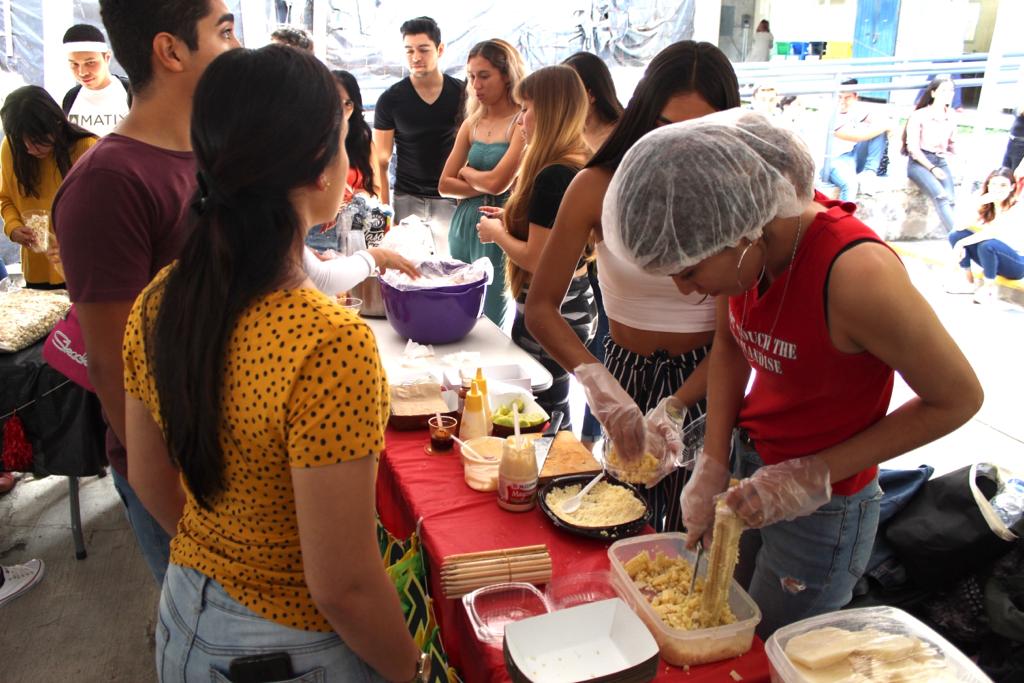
99	101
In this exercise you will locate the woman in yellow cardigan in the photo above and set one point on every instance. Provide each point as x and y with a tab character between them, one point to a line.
39	147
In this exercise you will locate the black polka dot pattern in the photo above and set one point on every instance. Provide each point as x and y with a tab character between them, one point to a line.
303	387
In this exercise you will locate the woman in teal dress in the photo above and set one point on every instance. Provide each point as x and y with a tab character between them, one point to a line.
482	166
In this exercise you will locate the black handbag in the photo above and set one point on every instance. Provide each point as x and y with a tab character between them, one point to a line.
949	529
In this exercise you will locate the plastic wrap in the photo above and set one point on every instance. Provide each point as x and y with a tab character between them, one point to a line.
442	275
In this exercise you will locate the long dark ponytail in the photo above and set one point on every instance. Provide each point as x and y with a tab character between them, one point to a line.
244	237
359	136
31	113
685	66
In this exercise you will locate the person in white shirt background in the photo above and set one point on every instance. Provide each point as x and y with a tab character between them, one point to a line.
762	43
101	99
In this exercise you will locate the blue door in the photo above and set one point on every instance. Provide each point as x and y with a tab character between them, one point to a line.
875	35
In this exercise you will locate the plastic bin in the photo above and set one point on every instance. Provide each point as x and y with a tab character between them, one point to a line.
491	608
678	647
782	47
874	627
799	49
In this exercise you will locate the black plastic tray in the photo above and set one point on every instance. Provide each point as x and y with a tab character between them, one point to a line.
604	533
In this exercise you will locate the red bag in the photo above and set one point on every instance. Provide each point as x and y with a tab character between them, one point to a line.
64	351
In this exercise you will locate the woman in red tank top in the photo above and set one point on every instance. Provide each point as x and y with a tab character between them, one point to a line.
823	313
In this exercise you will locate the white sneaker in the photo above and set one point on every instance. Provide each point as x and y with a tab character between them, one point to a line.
986	294
959	285
19	578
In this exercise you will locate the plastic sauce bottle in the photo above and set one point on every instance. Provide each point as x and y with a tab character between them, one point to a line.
517	475
481	382
463	390
474	420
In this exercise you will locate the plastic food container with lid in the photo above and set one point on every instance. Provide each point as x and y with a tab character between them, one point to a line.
679	647
491	608
869	644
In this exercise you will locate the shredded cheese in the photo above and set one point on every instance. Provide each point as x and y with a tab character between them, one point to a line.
604	505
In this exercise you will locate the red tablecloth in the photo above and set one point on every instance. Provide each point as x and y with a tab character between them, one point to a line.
453	518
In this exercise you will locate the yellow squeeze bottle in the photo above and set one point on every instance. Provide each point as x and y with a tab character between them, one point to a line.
481	382
474	420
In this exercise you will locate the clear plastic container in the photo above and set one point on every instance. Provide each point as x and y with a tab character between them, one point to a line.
492	607
481	472
679	647
570	590
892	646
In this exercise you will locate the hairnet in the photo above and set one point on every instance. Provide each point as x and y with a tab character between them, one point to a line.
688	190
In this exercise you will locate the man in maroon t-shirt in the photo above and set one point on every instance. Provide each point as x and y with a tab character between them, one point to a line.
119	216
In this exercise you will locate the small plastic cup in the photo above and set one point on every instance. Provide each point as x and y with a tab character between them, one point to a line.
442	429
350	302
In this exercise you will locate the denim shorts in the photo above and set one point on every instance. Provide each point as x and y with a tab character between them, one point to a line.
810	565
201	628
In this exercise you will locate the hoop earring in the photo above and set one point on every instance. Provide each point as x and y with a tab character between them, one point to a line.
739	267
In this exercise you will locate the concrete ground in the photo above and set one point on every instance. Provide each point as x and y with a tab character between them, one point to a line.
92	620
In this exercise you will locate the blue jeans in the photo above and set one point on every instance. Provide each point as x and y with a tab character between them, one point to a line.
201	628
438	209
994	256
154	542
864	157
942	192
809	566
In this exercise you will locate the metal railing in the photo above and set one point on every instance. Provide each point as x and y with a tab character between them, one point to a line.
825	77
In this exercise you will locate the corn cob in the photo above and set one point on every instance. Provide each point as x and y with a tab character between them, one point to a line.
725	546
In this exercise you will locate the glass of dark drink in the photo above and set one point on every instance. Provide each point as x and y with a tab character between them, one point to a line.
442	429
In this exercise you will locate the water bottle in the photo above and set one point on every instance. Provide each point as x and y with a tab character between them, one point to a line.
1009	501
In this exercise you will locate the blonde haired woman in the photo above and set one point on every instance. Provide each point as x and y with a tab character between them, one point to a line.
483	162
554	112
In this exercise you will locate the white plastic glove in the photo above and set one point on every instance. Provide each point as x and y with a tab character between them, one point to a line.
785	491
664	428
616	410
710	477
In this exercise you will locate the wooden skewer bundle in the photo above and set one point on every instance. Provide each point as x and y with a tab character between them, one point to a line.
464	573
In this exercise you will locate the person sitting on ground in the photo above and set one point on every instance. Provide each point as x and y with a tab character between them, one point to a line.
822	312
266	495
101	99
859	141
996	243
39	148
928	142
554	109
483	163
292	37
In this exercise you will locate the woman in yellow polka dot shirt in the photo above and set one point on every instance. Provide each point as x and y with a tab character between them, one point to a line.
256	405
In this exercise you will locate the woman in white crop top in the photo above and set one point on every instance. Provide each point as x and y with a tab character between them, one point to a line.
658	339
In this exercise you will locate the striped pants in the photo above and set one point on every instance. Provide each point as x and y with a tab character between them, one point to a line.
580	311
648	379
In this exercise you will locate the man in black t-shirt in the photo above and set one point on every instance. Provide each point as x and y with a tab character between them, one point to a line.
419	115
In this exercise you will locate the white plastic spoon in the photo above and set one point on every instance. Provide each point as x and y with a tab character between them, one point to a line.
571	505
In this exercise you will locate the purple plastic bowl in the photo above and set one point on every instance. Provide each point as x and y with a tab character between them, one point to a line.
434	316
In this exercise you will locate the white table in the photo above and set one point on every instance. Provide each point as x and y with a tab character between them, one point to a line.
485	338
